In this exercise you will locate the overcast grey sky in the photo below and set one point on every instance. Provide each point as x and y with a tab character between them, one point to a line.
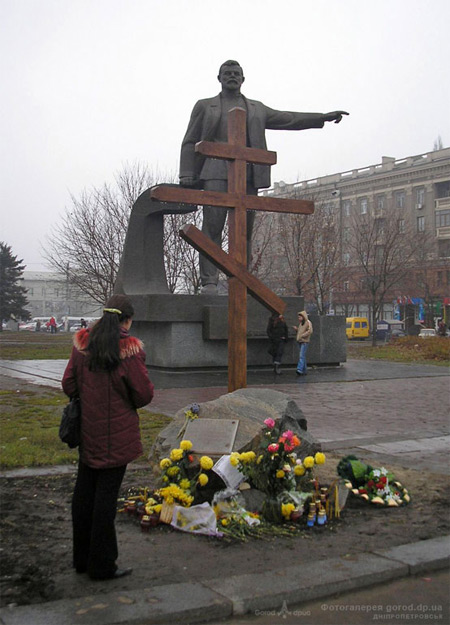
89	85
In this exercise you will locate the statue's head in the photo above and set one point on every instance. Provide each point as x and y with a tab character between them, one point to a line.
230	75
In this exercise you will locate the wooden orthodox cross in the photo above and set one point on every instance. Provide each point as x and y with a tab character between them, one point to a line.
234	263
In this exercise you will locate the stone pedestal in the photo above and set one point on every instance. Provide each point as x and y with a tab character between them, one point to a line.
191	331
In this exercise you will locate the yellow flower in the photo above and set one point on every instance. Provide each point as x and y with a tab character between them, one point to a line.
206	463
185	445
234	461
176	454
319	458
203	479
157	508
171	471
248	456
225	522
299	470
185	484
259	459
280	474
308	462
286	509
165	462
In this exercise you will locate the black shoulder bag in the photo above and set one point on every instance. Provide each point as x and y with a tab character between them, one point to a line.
70	426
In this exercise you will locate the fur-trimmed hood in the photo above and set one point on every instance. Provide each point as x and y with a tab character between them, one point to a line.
129	345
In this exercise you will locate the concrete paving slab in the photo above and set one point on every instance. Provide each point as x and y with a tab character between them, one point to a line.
428	445
185	603
425	555
295	584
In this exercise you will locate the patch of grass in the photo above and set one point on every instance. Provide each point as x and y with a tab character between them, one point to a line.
409	349
35	346
29	424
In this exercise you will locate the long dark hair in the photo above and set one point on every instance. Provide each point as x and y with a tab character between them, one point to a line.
103	345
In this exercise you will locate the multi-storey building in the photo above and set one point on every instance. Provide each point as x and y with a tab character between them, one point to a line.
49	294
417	190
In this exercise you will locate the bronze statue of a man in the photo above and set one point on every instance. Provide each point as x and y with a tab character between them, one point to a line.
209	123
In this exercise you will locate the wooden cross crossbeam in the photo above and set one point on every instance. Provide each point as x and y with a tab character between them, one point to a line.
235	262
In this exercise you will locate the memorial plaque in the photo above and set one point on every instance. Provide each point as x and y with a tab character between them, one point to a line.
214	437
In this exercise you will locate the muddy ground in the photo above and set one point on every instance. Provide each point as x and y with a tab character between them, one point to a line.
35	556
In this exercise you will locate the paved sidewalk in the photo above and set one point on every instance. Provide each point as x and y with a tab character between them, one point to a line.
375	409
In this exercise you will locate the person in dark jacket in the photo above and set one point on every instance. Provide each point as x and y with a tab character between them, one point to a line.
277	331
107	371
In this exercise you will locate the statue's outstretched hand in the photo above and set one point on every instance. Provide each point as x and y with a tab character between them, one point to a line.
334	116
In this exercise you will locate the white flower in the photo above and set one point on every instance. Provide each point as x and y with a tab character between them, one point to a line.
383	471
376	472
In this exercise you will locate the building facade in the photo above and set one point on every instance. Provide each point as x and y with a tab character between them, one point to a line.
49	294
416	191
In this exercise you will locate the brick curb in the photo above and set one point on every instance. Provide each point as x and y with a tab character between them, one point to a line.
221	598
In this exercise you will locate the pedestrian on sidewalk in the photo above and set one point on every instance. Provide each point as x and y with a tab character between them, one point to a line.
107	371
304	331
277	331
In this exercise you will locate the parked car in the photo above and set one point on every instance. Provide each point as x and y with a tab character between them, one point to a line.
75	327
27	327
426	333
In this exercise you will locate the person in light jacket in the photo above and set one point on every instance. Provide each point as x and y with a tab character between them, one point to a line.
107	371
304	331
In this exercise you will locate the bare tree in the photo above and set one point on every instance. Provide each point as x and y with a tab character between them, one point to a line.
181	259
87	245
381	248
305	254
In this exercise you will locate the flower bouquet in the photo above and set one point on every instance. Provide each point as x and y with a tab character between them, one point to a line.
378	486
180	479
277	470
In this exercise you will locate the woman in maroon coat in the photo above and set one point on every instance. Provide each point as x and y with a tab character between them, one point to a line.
107	370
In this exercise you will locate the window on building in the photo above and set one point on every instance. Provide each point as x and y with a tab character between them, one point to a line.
346	285
346	258
439	278
346	206
380	225
420	197
363	206
30	291
420	224
43	291
442	218
447	277
346	235
400	199
381	202
379	254
401	226
444	248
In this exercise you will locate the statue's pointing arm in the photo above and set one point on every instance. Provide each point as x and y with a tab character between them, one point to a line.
290	120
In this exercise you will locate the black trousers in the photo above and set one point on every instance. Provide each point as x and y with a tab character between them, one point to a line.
94	506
